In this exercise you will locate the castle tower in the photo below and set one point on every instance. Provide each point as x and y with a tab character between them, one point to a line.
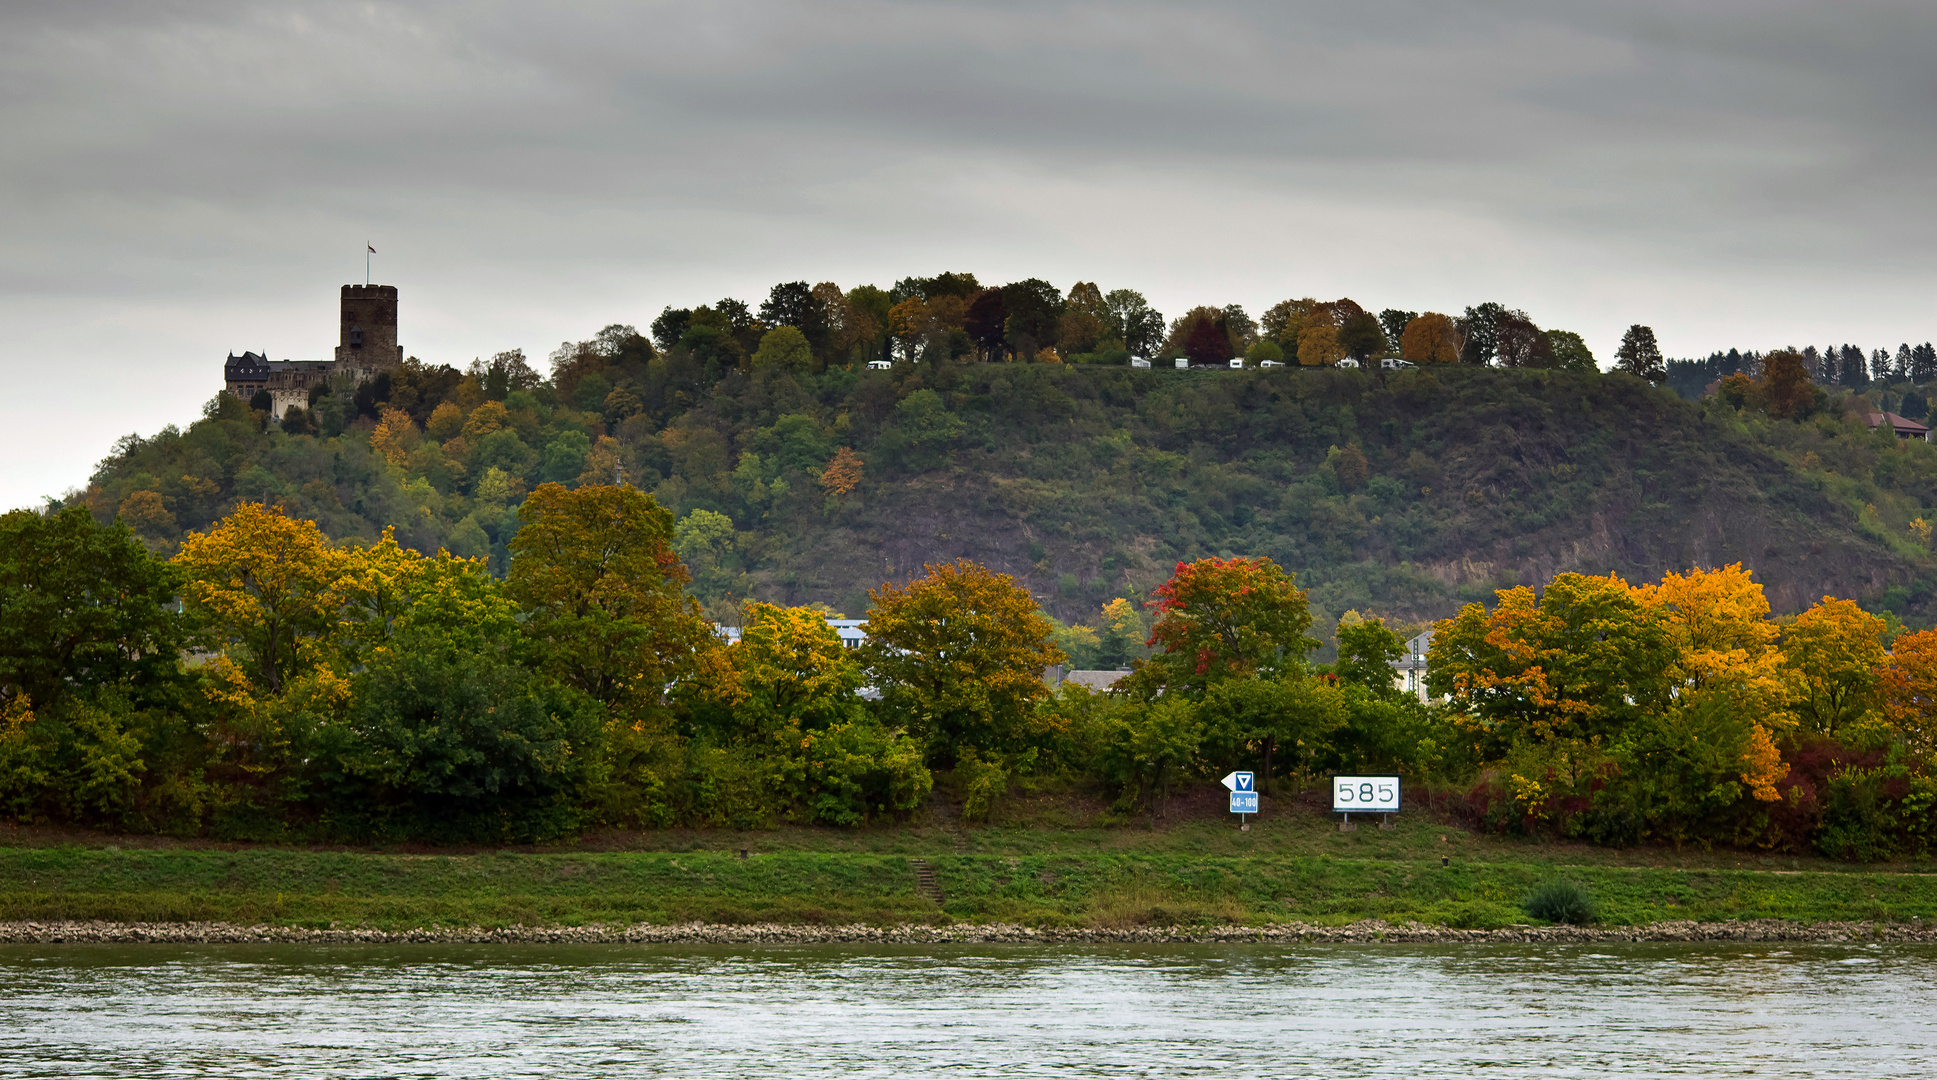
369	331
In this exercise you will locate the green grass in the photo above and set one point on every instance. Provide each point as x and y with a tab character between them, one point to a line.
1191	873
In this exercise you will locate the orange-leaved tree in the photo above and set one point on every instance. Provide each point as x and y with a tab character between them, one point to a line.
1430	339
843	472
959	656
1909	685
595	572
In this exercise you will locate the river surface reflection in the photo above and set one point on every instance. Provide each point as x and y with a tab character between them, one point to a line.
970	1011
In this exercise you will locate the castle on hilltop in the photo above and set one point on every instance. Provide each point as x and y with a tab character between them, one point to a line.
367	345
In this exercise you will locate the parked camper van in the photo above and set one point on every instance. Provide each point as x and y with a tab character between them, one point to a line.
880	365
1140	361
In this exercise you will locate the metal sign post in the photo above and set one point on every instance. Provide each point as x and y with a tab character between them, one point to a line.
1244	797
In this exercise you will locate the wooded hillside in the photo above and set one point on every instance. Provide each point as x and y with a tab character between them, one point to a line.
1403	494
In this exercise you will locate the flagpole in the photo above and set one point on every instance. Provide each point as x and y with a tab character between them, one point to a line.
366	264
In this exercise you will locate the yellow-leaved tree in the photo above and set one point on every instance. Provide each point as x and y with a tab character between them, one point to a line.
1726	659
1831	653
267	583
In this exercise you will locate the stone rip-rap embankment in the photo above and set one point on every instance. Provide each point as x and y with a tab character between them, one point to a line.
1369	931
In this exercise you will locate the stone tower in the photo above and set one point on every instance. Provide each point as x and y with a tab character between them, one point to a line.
368	341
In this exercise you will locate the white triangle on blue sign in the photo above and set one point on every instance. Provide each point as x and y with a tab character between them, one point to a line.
1241	781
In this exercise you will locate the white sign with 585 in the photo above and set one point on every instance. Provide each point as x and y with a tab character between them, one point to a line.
1366	794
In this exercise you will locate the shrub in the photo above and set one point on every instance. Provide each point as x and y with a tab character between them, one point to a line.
1560	902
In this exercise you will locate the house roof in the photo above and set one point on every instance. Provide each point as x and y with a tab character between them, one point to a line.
1901	425
1098	681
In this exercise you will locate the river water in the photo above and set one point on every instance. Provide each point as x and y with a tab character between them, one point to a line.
970	1011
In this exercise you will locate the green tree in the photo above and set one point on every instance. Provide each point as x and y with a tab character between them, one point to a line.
784	349
1639	355
1584	660
595	572
1570	352
84	605
1133	321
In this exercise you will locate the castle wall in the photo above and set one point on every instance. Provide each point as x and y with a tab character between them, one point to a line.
367	345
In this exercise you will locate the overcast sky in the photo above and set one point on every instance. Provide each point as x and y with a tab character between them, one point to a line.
181	180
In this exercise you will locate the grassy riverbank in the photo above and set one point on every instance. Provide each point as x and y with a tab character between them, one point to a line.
1198	871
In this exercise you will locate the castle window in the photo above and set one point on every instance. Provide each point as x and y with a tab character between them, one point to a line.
356	337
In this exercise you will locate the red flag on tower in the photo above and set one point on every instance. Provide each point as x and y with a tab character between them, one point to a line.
373	251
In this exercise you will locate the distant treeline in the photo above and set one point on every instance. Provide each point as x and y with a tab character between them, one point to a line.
1892	377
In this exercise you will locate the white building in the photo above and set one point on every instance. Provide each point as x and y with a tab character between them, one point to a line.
1409	671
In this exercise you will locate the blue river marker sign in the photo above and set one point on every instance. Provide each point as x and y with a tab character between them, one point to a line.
1244	795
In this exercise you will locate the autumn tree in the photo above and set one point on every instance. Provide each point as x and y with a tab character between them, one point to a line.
1430	339
1226	618
147	514
843	472
959	655
789	674
1283	321
1583	660
1518	343
1199	335
1785	386
1717	622
908	326
1639	355
1909	688
867	312
1083	322
595	572
1318	346
268	585
1205	343
1832	652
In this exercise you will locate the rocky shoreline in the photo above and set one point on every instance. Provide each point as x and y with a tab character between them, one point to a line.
1365	932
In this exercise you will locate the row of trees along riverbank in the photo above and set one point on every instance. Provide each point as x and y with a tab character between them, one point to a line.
305	690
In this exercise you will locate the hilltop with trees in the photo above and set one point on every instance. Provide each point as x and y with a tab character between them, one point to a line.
1010	430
